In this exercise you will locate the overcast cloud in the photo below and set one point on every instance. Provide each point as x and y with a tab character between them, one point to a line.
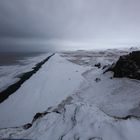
69	20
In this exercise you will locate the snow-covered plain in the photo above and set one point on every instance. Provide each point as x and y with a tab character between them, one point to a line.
82	102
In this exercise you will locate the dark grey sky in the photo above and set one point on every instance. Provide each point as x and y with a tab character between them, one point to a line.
71	20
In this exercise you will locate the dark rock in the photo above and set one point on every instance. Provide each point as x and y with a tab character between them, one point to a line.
98	65
27	126
127	66
104	67
97	79
39	115
56	111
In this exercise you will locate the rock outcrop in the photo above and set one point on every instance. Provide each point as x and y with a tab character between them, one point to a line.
127	66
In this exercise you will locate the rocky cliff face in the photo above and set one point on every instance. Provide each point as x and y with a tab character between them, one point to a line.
127	66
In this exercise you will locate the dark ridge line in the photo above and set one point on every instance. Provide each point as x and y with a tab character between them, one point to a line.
50	110
39	115
122	118
35	118
25	76
126	117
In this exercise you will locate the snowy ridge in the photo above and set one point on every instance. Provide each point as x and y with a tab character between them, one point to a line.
56	80
23	77
93	109
9	74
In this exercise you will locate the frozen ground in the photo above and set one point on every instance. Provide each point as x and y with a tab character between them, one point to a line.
81	102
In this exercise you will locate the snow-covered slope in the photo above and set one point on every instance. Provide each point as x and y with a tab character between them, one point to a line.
53	82
85	103
9	73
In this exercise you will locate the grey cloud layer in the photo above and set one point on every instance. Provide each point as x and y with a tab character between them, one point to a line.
69	19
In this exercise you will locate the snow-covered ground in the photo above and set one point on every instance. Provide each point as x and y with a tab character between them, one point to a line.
53	82
9	73
81	102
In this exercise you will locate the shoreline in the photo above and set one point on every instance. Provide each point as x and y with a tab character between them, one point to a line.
25	76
